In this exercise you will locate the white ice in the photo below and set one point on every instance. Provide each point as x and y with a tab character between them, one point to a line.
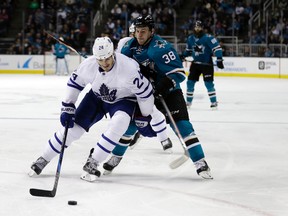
245	142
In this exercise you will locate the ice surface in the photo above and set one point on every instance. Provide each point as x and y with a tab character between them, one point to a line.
245	142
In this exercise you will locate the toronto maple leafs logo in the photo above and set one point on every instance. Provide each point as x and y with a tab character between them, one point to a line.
105	94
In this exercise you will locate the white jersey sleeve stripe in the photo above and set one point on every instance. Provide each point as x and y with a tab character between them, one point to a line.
73	84
147	89
147	96
179	71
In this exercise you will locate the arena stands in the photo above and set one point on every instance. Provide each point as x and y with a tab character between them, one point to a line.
242	26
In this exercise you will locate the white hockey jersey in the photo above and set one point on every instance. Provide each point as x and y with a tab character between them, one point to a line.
123	81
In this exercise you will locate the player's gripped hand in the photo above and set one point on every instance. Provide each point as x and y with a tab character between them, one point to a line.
67	114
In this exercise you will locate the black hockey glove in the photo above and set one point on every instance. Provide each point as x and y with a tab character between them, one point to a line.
182	57
220	63
164	86
148	72
67	114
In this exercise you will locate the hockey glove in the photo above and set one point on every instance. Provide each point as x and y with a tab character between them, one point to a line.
148	72
164	86
182	57
220	63
67	114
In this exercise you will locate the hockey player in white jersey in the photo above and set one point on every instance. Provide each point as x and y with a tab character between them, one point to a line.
117	86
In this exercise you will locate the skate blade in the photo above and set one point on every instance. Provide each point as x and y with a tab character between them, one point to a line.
136	143
133	146
169	151
205	175
107	172
32	173
88	177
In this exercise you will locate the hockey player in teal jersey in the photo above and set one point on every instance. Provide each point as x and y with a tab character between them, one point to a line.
160	62
202	47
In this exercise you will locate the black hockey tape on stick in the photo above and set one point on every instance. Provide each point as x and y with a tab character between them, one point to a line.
65	44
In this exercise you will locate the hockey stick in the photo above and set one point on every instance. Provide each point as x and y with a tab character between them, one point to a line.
65	44
52	193
190	59
181	160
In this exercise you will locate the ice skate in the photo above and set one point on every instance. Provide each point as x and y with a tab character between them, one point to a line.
188	104
203	169
111	164
214	105
38	166
167	145
91	173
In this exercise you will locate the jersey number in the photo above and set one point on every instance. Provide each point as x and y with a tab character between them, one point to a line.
74	76
138	82
170	56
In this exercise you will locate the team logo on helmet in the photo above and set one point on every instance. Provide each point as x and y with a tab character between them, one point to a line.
145	21
103	48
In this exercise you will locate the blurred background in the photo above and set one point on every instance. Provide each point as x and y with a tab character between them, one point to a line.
250	28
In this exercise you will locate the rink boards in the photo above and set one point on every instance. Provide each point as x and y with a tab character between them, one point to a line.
234	66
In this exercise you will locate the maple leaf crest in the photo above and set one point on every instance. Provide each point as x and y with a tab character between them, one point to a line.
105	94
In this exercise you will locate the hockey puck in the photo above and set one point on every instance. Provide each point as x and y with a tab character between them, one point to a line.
72	202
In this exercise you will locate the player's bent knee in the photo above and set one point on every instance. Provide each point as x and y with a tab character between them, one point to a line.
74	134
119	123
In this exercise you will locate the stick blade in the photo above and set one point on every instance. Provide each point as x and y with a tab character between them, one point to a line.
178	162
42	193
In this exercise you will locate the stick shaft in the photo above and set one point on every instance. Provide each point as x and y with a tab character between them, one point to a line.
65	44
52	193
173	122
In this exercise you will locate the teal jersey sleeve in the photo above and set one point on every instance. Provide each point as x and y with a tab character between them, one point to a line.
214	45
188	51
126	49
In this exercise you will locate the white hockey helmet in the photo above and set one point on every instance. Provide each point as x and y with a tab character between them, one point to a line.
103	48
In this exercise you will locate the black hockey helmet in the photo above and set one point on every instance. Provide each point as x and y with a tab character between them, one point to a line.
198	28
143	21
198	23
